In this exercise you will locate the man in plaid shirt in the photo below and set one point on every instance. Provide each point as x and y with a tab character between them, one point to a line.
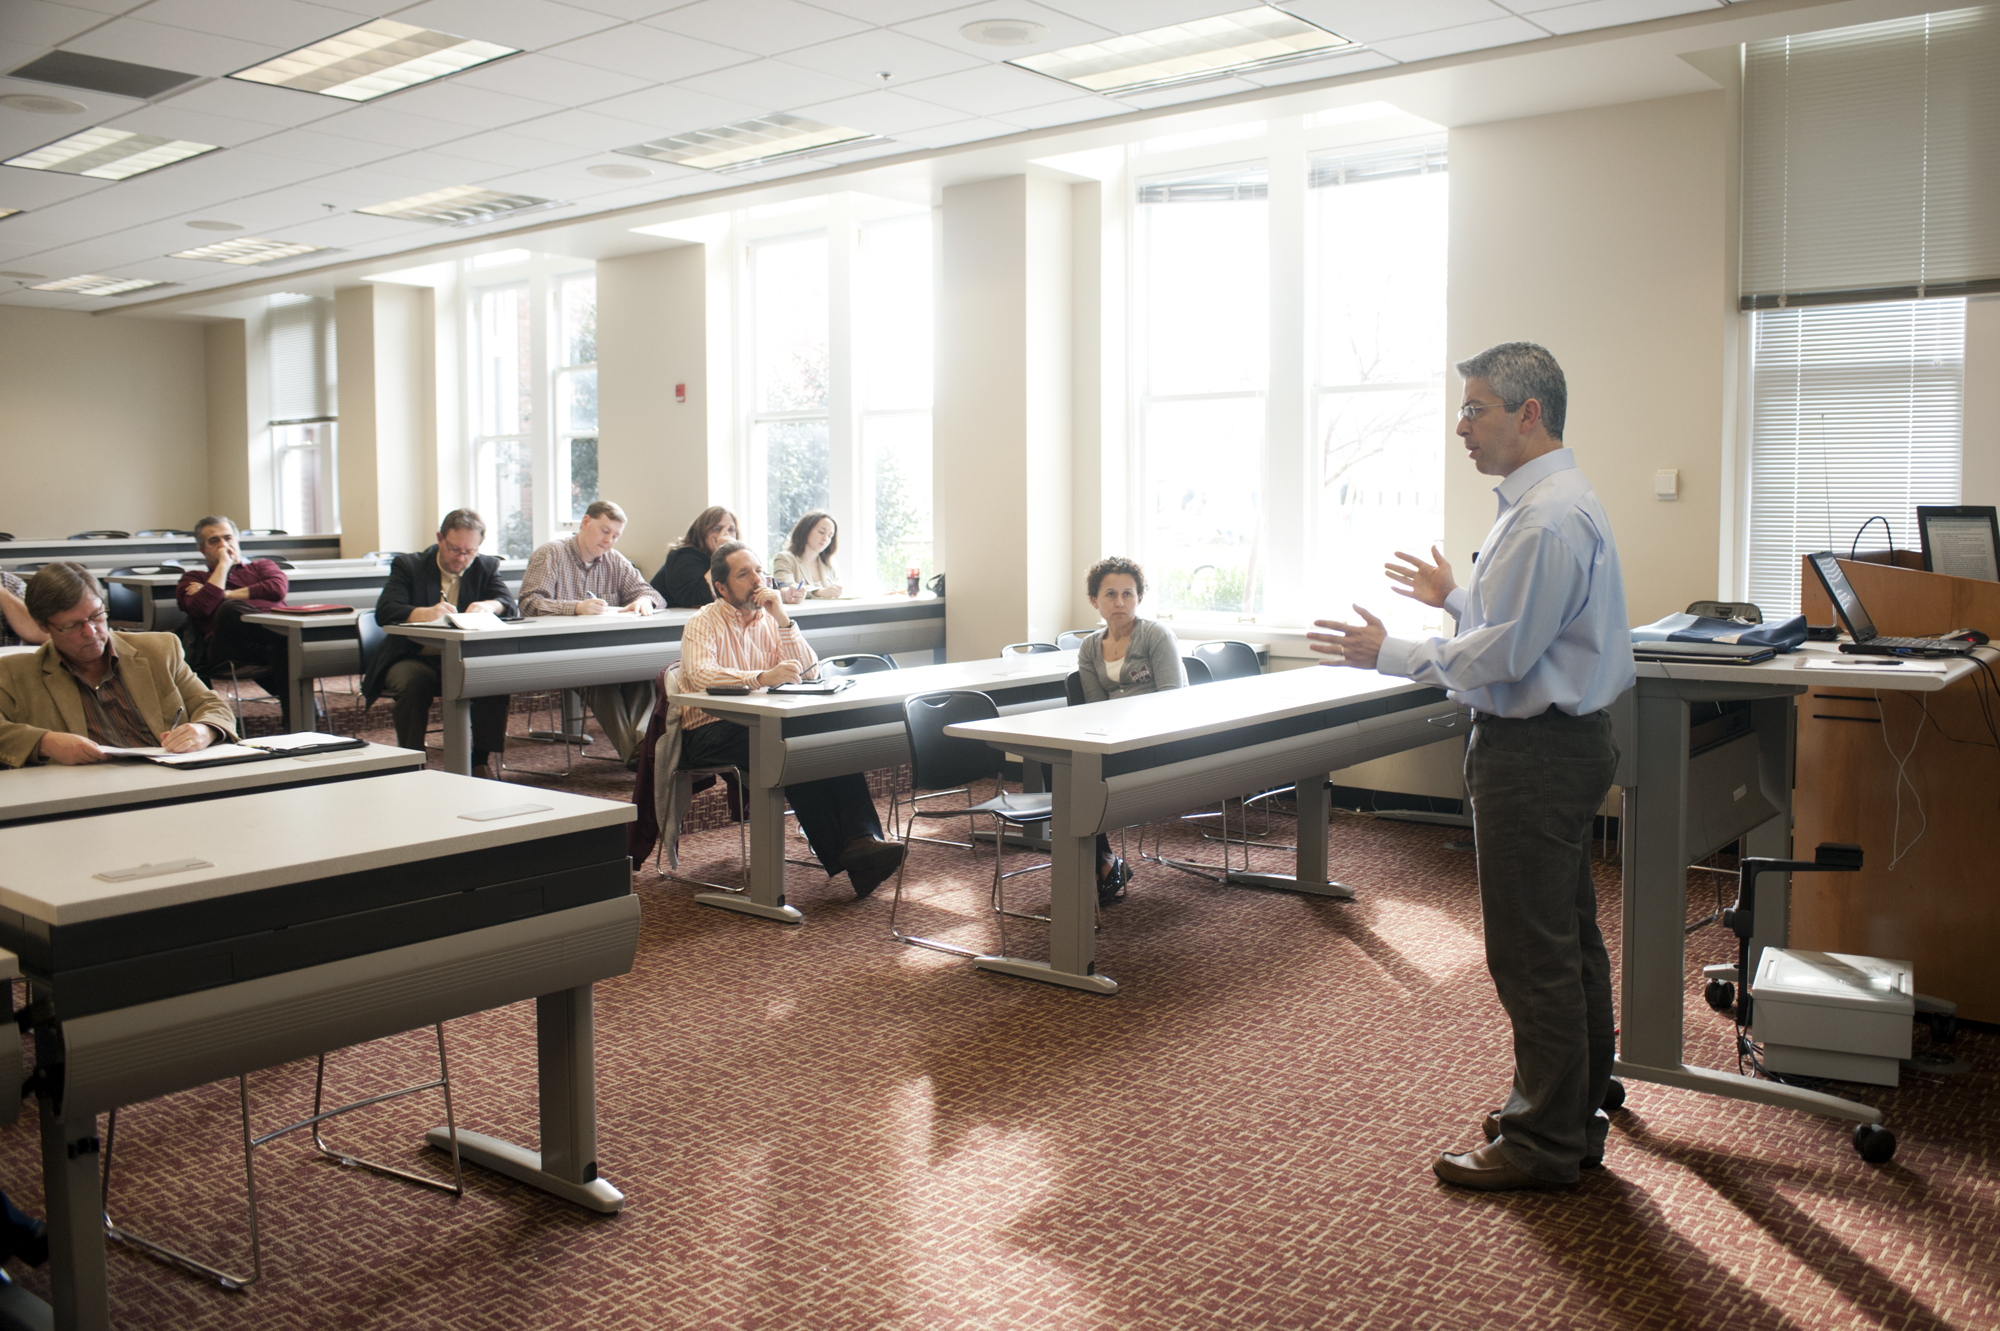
585	575
745	637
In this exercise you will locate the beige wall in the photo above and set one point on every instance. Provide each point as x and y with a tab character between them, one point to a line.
1601	234
652	451
225	349
103	423
388	416
1981	480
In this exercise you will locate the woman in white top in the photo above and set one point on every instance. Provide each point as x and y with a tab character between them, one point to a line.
806	562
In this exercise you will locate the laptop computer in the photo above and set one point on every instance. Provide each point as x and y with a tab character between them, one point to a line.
1861	628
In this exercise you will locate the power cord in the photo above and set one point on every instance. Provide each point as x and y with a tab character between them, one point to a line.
1896	847
1891	535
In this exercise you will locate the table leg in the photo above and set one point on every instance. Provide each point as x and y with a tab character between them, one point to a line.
75	1199
566	1073
1315	806
1072	906
305	715
766	798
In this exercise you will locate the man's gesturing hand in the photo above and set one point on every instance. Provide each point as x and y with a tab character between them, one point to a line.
1429	583
1349	644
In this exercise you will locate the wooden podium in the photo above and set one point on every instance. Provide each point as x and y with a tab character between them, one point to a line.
1938	823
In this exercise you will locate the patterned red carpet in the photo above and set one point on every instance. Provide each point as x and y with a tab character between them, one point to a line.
817	1127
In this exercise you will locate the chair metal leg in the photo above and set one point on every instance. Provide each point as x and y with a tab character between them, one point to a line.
742	841
442	1082
173	1257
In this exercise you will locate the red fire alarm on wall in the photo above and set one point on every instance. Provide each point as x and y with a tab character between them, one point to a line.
680	393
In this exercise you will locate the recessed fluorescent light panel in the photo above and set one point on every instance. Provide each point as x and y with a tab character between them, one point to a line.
746	143
248	251
109	154
1203	49
461	205
374	59
92	284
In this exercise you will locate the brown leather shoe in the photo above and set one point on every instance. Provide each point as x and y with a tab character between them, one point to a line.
1490	1125
869	862
1485	1170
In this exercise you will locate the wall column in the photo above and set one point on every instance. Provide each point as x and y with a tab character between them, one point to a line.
387	418
1002	419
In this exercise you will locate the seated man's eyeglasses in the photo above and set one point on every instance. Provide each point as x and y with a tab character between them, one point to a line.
98	620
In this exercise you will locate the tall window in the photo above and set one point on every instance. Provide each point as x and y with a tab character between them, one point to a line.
576	396
1856	412
1205	315
893	338
503	418
1379	222
304	405
791	376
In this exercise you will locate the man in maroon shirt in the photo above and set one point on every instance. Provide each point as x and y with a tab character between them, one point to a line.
217	601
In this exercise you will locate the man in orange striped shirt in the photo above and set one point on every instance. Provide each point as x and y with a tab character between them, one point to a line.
745	637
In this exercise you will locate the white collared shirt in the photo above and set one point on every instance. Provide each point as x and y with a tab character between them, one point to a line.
1542	622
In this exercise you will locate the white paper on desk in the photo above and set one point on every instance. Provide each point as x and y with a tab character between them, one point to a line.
1900	664
151	751
214	753
480	620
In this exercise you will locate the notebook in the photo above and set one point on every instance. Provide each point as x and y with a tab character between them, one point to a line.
1861	628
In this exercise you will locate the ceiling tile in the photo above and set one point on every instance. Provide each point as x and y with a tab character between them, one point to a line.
866	54
963	131
1067	112
544	78
885	11
586	130
33	23
1330	68
1453	41
463	104
284	25
1187	92
176	122
763	26
881	113
255	101
364	187
1372	21
1610	13
98	107
39	189
862	154
438	170
945	28
507	150
385	124
275	210
243	171
570	185
990	90
527	24
626	9
771	85
329	150
649	54
158	45
670	110
348	230
1142	15
105	6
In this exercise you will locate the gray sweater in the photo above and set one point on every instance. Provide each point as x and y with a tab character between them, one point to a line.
1152	663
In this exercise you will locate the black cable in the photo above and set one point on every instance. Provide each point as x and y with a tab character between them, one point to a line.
1885	531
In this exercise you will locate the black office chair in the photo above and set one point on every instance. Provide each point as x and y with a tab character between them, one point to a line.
854	663
1071	639
125	604
6	536
938	760
281	561
106	535
1073	689
1228	659
1197	670
1028	648
161	533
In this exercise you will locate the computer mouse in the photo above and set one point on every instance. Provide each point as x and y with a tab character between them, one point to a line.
1973	636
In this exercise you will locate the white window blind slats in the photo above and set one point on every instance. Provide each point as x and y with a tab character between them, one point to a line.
1228	185
1867	161
303	375
1856	412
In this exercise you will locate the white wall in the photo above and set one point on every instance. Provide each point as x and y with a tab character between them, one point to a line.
103	422
388	418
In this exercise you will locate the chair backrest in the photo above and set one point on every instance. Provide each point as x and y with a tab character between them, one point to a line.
6	536
1073	688
265	531
106	535
123	602
372	637
1229	660
1028	648
1197	670
1071	639
384	555
281	561
164	531
1745	611
939	761
854	663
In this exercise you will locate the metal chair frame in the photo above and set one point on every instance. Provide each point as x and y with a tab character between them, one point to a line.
231	1280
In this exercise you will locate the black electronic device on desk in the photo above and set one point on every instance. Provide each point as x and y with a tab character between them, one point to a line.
1867	642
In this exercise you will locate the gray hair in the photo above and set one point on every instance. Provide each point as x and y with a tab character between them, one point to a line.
214	520
1519	371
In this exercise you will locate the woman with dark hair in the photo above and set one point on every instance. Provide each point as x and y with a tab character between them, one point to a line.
1128	655
683	578
806	562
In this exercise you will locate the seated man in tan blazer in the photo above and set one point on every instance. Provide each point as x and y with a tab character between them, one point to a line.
88	687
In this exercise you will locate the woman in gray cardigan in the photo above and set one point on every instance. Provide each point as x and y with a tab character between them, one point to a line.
1128	655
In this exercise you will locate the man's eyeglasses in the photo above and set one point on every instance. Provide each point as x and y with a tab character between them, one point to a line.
1470	411
98	620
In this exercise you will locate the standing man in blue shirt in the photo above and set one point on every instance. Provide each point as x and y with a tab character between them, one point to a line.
1542	649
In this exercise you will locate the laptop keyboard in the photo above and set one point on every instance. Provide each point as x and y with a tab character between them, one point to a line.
1939	646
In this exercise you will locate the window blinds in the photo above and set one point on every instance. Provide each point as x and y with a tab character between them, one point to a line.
1854	413
1226	185
303	375
1360	168
1868	162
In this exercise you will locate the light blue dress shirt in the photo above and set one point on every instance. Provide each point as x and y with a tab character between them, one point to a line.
1542	623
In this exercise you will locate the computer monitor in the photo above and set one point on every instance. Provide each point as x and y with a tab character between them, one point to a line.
1845	603
1961	540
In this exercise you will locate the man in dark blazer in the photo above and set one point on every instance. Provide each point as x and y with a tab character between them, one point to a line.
423	588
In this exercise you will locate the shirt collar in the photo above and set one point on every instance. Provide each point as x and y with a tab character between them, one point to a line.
1532	473
576	549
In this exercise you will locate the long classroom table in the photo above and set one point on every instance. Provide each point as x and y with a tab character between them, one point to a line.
355	582
328	916
576	651
118	553
1131	760
36	794
805	737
